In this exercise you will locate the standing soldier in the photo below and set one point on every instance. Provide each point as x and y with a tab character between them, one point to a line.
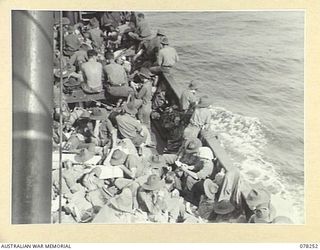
200	119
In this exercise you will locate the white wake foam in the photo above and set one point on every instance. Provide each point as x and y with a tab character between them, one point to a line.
244	140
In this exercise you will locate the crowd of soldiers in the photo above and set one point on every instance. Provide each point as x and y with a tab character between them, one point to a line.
112	171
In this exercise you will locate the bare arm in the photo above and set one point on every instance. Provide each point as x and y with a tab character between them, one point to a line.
83	74
191	173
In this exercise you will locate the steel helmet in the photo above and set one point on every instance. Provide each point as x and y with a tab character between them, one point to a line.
205	152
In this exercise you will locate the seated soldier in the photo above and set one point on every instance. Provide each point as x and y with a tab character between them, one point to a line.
113	38
92	74
57	58
194	176
160	203
150	48
71	42
142	31
70	174
207	199
176	206
104	132
122	60
134	171
187	154
167	58
77	113
82	137
152	200
126	41
118	209
130	127
224	212
253	199
117	80
86	40
158	165
91	126
77	203
79	56
96	34
264	213
130	164
113	18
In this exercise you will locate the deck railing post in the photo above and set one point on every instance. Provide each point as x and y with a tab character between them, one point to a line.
32	50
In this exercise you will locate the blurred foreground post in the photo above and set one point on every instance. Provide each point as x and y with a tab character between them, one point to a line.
32	50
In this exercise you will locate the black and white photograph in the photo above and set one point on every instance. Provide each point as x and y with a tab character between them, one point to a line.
135	117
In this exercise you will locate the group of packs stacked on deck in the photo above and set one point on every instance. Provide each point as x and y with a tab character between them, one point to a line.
112	172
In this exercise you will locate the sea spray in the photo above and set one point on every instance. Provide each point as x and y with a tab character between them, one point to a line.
244	140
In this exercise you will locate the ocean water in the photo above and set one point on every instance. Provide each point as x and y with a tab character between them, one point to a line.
251	64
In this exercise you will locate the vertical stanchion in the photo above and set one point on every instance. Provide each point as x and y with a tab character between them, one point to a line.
32	39
60	120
